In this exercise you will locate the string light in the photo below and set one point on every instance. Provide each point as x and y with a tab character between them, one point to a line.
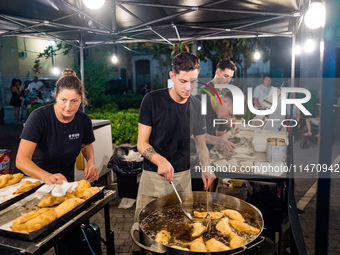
114	59
315	17
94	4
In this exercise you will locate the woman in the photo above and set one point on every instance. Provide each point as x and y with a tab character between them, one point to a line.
15	100
22	96
54	135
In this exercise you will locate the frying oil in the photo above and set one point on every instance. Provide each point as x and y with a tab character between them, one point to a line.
172	219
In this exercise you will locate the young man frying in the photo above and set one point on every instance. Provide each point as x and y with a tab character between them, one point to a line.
167	119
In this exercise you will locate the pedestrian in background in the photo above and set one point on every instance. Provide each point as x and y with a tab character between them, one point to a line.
15	99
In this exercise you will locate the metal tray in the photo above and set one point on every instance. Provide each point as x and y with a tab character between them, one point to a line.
56	223
17	198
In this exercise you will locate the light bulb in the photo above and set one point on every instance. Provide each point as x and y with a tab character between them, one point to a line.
257	55
114	59
94	4
51	42
56	71
315	16
297	50
309	45
199	48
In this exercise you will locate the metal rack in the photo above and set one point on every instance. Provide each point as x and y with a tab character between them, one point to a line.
46	241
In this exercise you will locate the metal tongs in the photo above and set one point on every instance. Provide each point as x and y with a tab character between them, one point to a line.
207	218
180	200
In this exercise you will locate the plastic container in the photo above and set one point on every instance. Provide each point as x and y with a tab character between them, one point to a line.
260	144
5	162
276	150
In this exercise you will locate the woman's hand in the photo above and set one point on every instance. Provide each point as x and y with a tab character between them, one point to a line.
54	179
91	172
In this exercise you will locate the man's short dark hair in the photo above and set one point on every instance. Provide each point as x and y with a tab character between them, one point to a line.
226	93
226	63
185	62
267	75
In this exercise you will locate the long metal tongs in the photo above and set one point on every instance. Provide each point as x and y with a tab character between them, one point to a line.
180	200
207	218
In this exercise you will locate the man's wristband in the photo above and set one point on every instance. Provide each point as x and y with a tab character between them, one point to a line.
45	177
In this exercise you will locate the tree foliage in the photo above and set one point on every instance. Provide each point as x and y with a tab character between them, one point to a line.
241	51
49	52
96	74
163	54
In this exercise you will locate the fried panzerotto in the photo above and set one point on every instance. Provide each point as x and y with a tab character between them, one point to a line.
223	226
234	215
4	179
244	227
29	216
40	221
26	186
198	229
90	192
236	241
163	237
198	245
50	200
82	186
67	206
214	245
213	215
180	248
36	221
14	179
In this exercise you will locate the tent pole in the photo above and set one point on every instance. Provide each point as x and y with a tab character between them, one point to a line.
203	8
325	143
292	72
113	10
81	49
49	23
194	47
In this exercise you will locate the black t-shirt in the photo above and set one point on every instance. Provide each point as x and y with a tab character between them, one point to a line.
58	144
172	125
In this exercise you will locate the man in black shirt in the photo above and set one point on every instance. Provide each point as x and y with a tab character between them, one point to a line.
218	135
167	119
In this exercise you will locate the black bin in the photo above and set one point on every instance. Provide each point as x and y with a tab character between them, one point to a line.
127	185
126	171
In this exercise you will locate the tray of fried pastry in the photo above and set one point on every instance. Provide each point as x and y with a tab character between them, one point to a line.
14	187
43	212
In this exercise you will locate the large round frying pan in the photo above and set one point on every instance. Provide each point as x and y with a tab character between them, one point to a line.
149	246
